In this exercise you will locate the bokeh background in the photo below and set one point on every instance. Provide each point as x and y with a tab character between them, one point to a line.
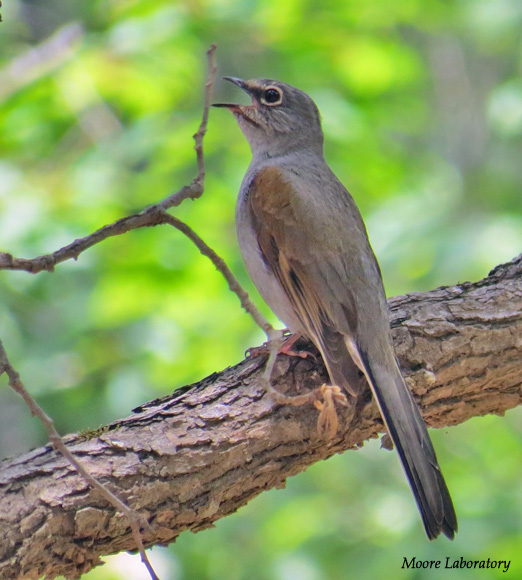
422	110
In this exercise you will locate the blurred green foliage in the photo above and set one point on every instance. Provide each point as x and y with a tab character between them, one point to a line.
422	110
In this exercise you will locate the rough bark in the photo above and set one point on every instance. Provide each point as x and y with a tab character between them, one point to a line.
188	459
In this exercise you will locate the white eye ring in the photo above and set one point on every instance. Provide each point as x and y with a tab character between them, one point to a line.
269	93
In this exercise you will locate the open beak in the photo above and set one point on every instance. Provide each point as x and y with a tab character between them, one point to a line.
241	84
245	112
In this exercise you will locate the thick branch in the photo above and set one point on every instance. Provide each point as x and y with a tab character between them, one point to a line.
188	459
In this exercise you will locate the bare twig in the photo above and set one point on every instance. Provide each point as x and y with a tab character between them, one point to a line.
195	189
135	519
47	262
221	266
275	341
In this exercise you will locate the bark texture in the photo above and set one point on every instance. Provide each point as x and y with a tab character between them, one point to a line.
188	459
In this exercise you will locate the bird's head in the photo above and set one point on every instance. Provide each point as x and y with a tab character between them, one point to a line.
280	119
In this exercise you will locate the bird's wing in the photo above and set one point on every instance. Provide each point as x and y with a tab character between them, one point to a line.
310	264
316	268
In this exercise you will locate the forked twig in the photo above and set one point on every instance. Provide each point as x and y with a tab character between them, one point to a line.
150	216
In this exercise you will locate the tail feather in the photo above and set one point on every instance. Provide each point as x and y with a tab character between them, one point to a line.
410	436
403	420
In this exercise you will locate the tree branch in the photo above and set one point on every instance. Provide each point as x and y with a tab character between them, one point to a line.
197	455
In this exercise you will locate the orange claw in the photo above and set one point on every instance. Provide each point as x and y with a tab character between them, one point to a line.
328	421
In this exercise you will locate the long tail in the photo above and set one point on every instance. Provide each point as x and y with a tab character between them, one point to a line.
410	436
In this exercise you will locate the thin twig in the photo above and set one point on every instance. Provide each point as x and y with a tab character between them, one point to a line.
195	189
135	519
221	266
275	341
47	262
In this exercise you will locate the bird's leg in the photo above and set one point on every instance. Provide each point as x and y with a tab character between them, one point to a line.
324	398
287	348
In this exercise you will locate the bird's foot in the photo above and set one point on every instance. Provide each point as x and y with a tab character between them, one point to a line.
324	400
328	421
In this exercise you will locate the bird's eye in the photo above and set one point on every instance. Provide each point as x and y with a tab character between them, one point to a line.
272	96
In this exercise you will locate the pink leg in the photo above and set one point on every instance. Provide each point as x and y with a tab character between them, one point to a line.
287	348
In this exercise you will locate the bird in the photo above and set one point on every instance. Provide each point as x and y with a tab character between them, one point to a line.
305	246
